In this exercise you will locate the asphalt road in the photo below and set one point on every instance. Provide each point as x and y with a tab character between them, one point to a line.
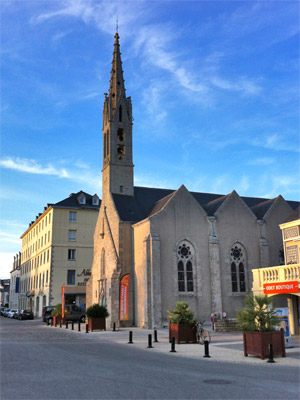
49	363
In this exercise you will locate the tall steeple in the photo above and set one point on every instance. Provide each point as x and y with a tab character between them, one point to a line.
117	173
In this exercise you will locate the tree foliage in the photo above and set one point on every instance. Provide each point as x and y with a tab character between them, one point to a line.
57	311
97	311
258	314
182	314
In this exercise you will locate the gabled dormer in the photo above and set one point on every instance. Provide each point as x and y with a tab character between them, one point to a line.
95	200
81	198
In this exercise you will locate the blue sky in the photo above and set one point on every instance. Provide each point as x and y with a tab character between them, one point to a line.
214	87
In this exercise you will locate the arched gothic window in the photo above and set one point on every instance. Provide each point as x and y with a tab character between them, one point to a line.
185	267
238	262
102	263
107	143
120	114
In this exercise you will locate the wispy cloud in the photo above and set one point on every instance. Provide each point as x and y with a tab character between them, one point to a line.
154	43
60	35
32	167
82	174
6	262
8	237
275	141
262	161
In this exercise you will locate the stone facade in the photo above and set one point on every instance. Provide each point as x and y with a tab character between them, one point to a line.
176	245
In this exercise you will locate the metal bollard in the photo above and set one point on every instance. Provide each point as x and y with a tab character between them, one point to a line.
51	321
67	325
206	349
79	326
86	328
173	345
60	323
271	359
155	336
72	325
150	342
55	323
130	338
48	322
114	327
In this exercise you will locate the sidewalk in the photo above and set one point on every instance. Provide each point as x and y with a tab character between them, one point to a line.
224	346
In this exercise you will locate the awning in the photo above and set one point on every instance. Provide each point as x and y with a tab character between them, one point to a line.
75	290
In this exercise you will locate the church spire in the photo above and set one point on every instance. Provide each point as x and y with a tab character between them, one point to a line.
117	173
116	87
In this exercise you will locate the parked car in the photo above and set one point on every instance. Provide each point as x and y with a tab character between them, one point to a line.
25	314
11	313
5	311
74	313
46	313
2	310
16	314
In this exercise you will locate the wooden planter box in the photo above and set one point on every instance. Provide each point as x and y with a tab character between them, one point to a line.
183	333
96	324
257	343
57	319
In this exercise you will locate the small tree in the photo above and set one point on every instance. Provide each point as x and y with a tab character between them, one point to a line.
57	311
97	311
182	314
258	314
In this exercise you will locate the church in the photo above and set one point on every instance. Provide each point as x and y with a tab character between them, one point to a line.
154	247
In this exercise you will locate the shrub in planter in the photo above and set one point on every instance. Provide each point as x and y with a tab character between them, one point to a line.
257	320
57	313
96	315
182	324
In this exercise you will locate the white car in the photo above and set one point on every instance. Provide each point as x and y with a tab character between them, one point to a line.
11	313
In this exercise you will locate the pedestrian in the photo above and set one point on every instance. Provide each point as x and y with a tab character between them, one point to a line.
212	321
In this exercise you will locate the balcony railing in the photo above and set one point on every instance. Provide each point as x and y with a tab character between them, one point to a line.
281	273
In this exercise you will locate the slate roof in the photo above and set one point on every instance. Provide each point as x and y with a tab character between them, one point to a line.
295	215
72	202
149	201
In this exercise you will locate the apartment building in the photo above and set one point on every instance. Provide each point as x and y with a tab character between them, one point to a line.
57	250
15	282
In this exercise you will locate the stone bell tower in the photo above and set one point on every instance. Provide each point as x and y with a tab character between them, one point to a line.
117	172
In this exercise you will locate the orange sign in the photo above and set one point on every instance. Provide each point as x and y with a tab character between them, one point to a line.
63	301
124	290
281	287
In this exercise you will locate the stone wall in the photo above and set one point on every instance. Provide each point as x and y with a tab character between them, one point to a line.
226	325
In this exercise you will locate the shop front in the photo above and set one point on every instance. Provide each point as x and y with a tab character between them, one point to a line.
75	295
282	283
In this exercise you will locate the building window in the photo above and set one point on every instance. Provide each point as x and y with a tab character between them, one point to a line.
82	200
47	255
238	276
47	276
72	236
71	254
120	114
72	216
185	267
71	277
95	201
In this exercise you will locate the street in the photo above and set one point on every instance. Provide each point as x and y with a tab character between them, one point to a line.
51	363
